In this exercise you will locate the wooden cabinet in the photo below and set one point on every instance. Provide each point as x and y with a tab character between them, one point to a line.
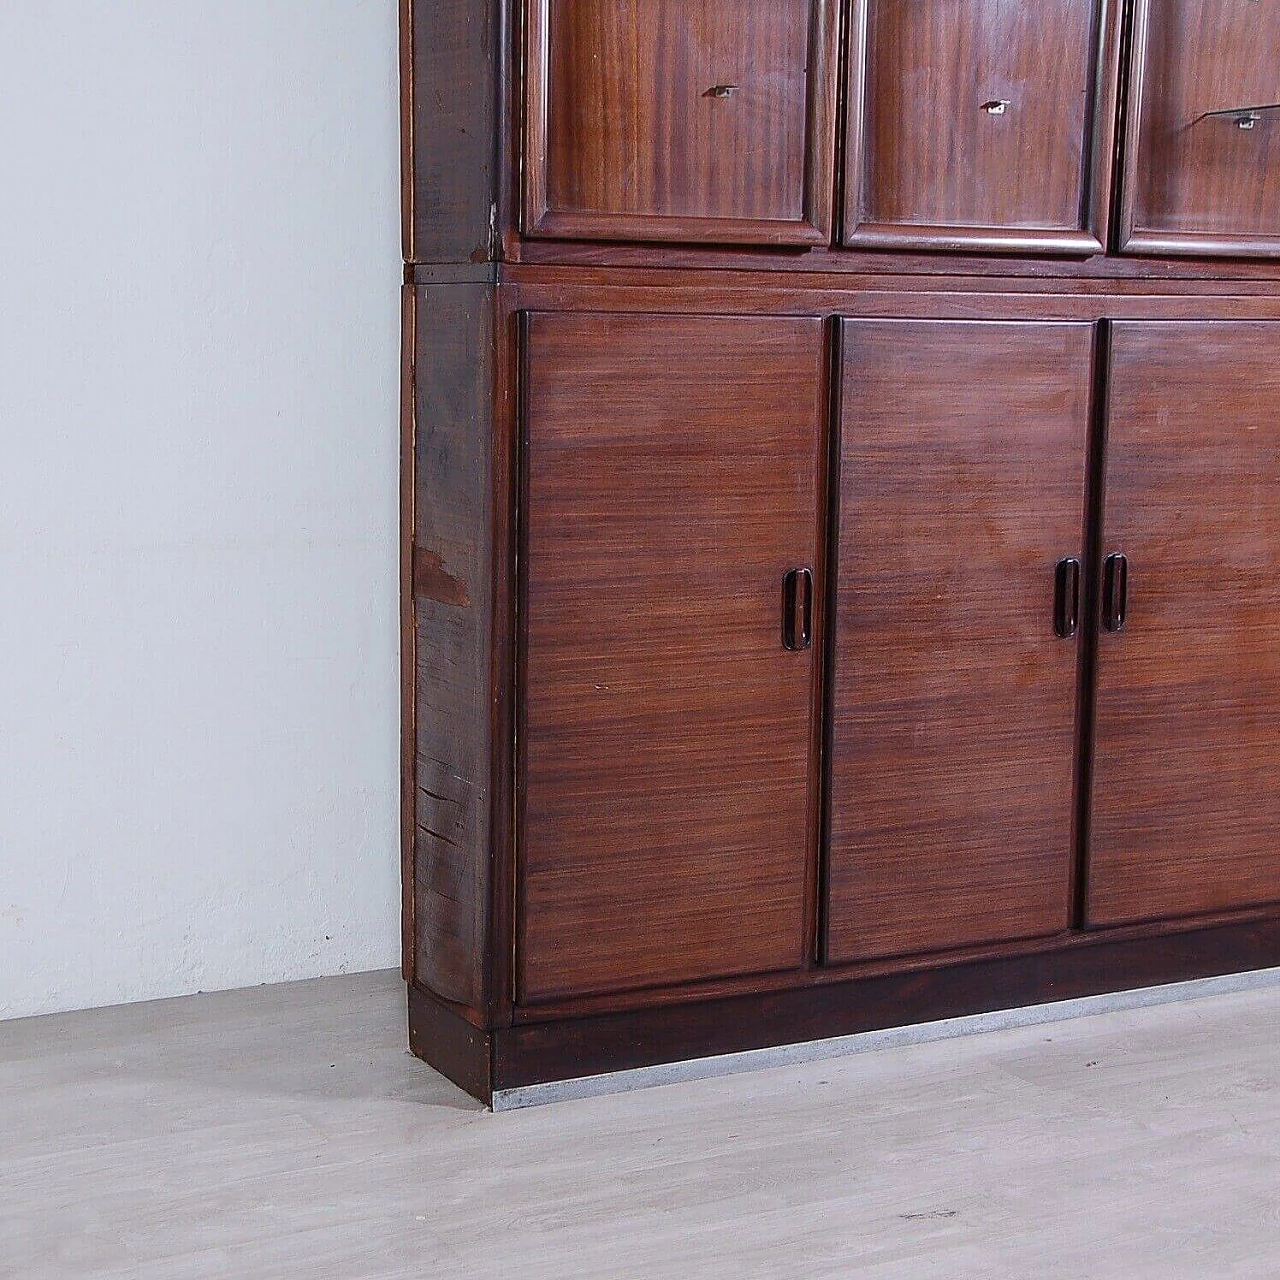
980	124
668	783
1186	812
953	703
841	572
698	120
1202	174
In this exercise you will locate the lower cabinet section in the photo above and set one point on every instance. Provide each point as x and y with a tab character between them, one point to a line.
953	700
673	584
861	671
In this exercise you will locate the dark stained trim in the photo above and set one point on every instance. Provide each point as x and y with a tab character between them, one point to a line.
456	1048
567	1048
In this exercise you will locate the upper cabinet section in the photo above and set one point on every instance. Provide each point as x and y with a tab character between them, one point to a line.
911	126
680	120
980	124
1202	171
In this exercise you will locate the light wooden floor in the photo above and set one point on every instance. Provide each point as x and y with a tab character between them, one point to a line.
285	1132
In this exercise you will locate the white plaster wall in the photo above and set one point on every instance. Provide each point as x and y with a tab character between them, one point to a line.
198	355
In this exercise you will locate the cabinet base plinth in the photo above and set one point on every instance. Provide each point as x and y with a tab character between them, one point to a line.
535	1062
457	1049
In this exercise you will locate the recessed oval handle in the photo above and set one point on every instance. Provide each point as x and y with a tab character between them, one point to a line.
996	106
1115	591
1066	598
797	610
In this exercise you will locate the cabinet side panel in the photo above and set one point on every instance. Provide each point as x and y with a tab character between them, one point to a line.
453	607
450	69
408	643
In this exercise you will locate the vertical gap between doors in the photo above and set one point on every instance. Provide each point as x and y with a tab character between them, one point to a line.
831	574
1095	480
519	623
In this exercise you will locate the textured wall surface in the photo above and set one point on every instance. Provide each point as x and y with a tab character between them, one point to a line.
198	361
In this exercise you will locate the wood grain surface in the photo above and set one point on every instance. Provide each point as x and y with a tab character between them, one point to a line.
680	119
672	467
452	72
1197	183
953	708
1185	810
453	617
975	123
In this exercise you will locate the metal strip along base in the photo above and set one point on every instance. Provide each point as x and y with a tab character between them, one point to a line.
729	1064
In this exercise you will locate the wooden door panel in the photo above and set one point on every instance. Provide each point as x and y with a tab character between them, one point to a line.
981	124
1196	182
1185	807
961	485
672	470
680	120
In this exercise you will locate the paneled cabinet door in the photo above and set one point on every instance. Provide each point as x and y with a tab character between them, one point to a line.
981	124
1202	170
693	120
953	712
1185	804
672	591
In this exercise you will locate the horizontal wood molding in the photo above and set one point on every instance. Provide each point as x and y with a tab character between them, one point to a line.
1202	246
679	230
914	260
873	297
908	238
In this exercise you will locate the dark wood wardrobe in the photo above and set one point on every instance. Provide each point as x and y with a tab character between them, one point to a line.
841	516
